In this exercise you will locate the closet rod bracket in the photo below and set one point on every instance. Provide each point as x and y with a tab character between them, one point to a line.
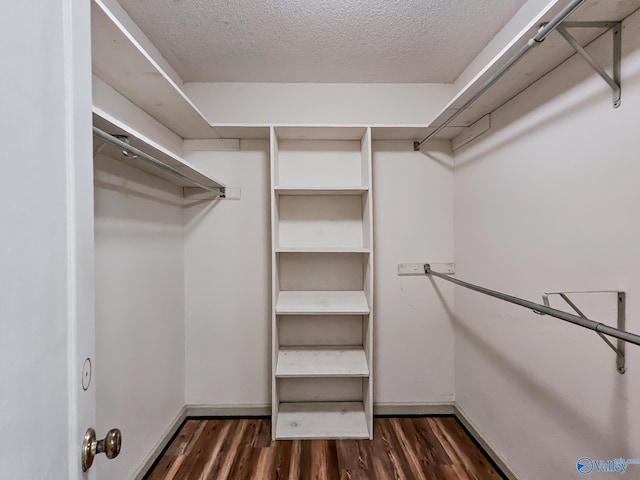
619	348
616	29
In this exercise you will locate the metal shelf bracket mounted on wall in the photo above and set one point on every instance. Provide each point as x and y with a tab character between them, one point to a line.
616	29
619	349
581	320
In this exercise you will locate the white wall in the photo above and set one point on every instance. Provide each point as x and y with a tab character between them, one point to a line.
139	310
413	222
227	278
40	176
547	202
228	273
316	104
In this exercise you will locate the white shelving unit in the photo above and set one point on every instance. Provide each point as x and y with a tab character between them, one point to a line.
322	257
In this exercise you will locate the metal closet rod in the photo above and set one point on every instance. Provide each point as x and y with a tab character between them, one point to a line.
220	191
538	308
532	43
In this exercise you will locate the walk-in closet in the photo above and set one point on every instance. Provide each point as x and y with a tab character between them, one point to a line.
321	239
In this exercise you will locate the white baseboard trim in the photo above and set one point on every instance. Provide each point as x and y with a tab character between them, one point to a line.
229	410
444	408
489	449
155	453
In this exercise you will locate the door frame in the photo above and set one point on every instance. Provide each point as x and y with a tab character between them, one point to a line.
81	362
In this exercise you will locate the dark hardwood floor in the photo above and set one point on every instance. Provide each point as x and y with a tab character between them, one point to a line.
423	448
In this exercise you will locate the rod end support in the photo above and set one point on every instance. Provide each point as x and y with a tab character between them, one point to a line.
427	269
416	146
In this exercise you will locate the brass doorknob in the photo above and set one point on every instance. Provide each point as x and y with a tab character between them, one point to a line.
109	445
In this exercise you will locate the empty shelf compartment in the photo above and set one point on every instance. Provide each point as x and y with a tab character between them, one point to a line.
321	420
322	303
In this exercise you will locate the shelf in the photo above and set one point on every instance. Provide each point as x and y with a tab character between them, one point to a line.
302	191
322	303
553	51
328	420
339	361
124	63
322	250
115	127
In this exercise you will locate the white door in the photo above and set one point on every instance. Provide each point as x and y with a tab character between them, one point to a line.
46	239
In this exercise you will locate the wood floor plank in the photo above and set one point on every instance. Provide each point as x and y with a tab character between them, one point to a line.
450	472
212	456
283	459
203	449
382	464
435	454
263	434
241	468
428	451
421	448
294	460
443	440
173	471
476	459
232	451
408	444
354	462
264	464
161	468
399	467
324	460
455	451
184	438
305	472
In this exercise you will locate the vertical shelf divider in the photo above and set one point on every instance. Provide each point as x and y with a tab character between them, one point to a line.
367	225
275	284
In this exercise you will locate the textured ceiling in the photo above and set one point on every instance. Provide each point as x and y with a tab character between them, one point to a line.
342	41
